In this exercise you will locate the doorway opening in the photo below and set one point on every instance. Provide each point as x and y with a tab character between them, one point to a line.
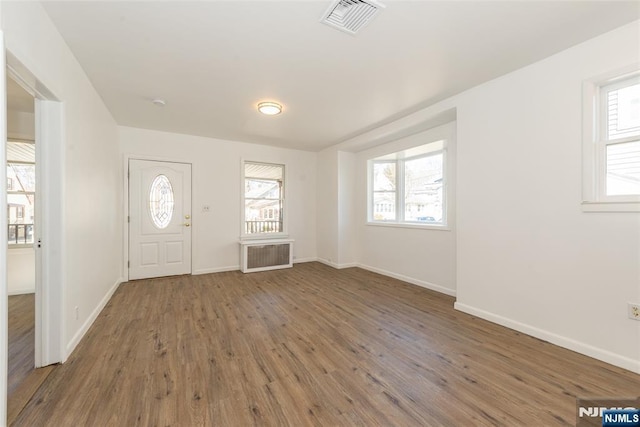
35	230
21	259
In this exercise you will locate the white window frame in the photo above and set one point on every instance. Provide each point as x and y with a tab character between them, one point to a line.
595	142
263	236
25	193
400	177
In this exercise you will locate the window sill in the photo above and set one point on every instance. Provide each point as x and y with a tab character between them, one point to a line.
252	237
610	206
20	246
408	225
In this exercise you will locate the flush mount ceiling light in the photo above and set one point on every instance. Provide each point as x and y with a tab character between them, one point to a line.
159	102
270	108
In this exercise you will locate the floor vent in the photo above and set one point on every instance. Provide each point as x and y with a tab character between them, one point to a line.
266	255
351	15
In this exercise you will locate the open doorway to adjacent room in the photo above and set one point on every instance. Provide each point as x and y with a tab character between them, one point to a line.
23	378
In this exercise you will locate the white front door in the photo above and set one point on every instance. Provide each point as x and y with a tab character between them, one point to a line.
159	219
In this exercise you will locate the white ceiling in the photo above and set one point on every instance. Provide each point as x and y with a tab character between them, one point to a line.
213	61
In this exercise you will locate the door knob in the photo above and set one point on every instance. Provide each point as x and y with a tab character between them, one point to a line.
187	217
186	224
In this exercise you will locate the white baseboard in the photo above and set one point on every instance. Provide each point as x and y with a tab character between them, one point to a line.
216	270
21	291
92	317
577	346
336	265
301	260
422	283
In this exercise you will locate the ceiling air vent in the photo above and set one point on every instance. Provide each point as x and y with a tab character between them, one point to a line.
351	15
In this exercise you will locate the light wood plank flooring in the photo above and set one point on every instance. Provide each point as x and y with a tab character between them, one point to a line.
21	339
310	346
23	380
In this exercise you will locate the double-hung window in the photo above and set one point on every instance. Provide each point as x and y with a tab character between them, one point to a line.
409	186
263	199
21	179
612	144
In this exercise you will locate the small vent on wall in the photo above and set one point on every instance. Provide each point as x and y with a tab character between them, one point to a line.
351	15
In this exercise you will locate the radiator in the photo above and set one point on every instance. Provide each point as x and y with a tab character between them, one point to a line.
264	255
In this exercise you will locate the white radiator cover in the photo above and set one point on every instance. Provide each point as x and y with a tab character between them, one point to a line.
268	254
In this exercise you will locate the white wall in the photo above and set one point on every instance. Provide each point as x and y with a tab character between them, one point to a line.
216	182
426	257
21	125
21	271
347	232
336	202
327	202
87	164
528	257
328	240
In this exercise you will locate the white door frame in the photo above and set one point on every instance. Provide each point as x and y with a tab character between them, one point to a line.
125	228
50	226
4	309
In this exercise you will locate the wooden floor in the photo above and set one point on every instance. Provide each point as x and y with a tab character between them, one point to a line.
22	379
310	346
21	339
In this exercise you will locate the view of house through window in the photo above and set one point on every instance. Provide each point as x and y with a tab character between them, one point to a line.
263	198
621	137
21	179
408	186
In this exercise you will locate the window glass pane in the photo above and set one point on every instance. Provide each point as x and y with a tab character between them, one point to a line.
384	206
22	177
384	177
423	183
263	216
161	201
21	184
384	191
20	215
263	198
261	189
623	169
623	112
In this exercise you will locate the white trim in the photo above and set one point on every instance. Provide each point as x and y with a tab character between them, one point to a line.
125	236
24	291
610	207
284	234
445	133
92	317
411	280
216	270
418	282
50	229
4	309
303	260
50	217
335	265
237	267
408	225
562	341
594	145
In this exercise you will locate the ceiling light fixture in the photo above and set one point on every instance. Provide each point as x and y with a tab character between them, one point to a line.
159	102
270	108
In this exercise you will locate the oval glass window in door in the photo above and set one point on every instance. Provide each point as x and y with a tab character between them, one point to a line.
161	201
